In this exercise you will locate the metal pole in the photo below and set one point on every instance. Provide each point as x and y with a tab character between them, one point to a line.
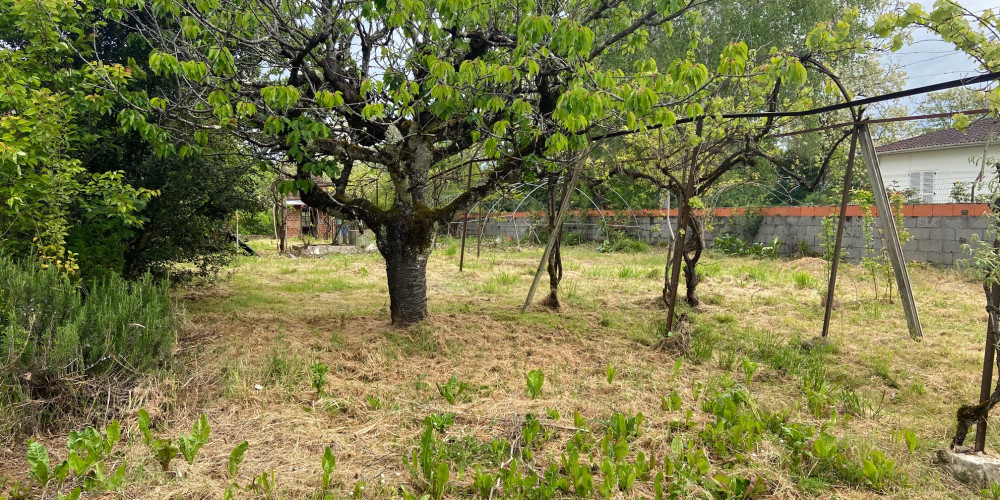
889	229
563	208
682	229
465	223
846	196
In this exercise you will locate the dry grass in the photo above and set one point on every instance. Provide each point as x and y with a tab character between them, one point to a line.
244	358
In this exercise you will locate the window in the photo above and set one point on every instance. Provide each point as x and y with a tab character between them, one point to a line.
306	218
922	185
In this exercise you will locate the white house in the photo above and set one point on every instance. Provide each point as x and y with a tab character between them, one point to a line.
943	166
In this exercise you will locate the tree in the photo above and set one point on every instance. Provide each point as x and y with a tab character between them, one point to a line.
188	229
82	159
691	163
949	101
50	93
410	89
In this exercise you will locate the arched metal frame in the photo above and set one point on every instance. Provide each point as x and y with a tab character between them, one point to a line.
535	187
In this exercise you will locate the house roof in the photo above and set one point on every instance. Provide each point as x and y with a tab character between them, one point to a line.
975	133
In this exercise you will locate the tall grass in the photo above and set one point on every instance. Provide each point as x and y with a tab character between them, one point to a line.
55	333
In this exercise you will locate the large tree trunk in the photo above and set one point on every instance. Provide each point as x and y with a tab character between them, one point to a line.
407	276
405	241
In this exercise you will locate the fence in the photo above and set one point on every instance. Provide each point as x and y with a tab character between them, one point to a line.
938	230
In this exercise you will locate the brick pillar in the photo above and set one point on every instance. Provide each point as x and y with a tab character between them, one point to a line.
293	222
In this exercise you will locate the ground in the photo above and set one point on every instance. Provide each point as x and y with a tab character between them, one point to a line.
245	354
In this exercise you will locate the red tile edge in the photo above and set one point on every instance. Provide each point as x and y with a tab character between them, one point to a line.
935	210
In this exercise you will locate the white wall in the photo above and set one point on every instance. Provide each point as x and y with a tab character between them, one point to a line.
947	166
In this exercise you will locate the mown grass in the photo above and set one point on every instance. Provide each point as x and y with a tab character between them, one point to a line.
869	382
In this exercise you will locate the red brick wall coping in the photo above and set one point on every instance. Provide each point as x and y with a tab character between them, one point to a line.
933	210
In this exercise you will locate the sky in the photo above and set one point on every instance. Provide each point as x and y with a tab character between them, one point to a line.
928	60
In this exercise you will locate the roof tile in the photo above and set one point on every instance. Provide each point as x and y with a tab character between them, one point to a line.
976	133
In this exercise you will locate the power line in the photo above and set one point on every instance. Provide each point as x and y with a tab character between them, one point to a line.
880	120
961	82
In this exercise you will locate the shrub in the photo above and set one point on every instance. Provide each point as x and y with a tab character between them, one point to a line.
569	238
53	330
618	241
259	223
572	238
732	244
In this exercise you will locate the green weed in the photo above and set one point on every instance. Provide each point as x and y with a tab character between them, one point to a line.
452	389
534	380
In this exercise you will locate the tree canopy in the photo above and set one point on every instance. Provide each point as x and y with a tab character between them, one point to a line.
49	98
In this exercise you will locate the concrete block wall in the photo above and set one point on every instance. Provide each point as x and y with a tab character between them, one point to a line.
937	231
934	238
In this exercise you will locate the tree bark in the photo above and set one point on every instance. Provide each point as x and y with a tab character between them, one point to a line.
405	241
554	266
407	279
692	253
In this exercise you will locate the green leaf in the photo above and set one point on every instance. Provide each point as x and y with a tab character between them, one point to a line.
329	100
116	479
191	443
165	452
38	461
73	495
113	434
535	379
235	459
147	436
329	463
372	111
869	470
671	402
911	440
960	121
897	42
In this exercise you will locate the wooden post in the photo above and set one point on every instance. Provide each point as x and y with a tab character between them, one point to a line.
889	229
832	286
682	228
479	223
465	223
237	231
563	208
989	354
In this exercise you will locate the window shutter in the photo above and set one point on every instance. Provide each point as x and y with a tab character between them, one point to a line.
928	187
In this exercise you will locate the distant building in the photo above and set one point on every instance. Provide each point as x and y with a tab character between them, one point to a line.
937	167
303	221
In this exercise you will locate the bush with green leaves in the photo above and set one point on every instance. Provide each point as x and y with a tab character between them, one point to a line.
318	371
731	244
90	466
617	241
53	329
